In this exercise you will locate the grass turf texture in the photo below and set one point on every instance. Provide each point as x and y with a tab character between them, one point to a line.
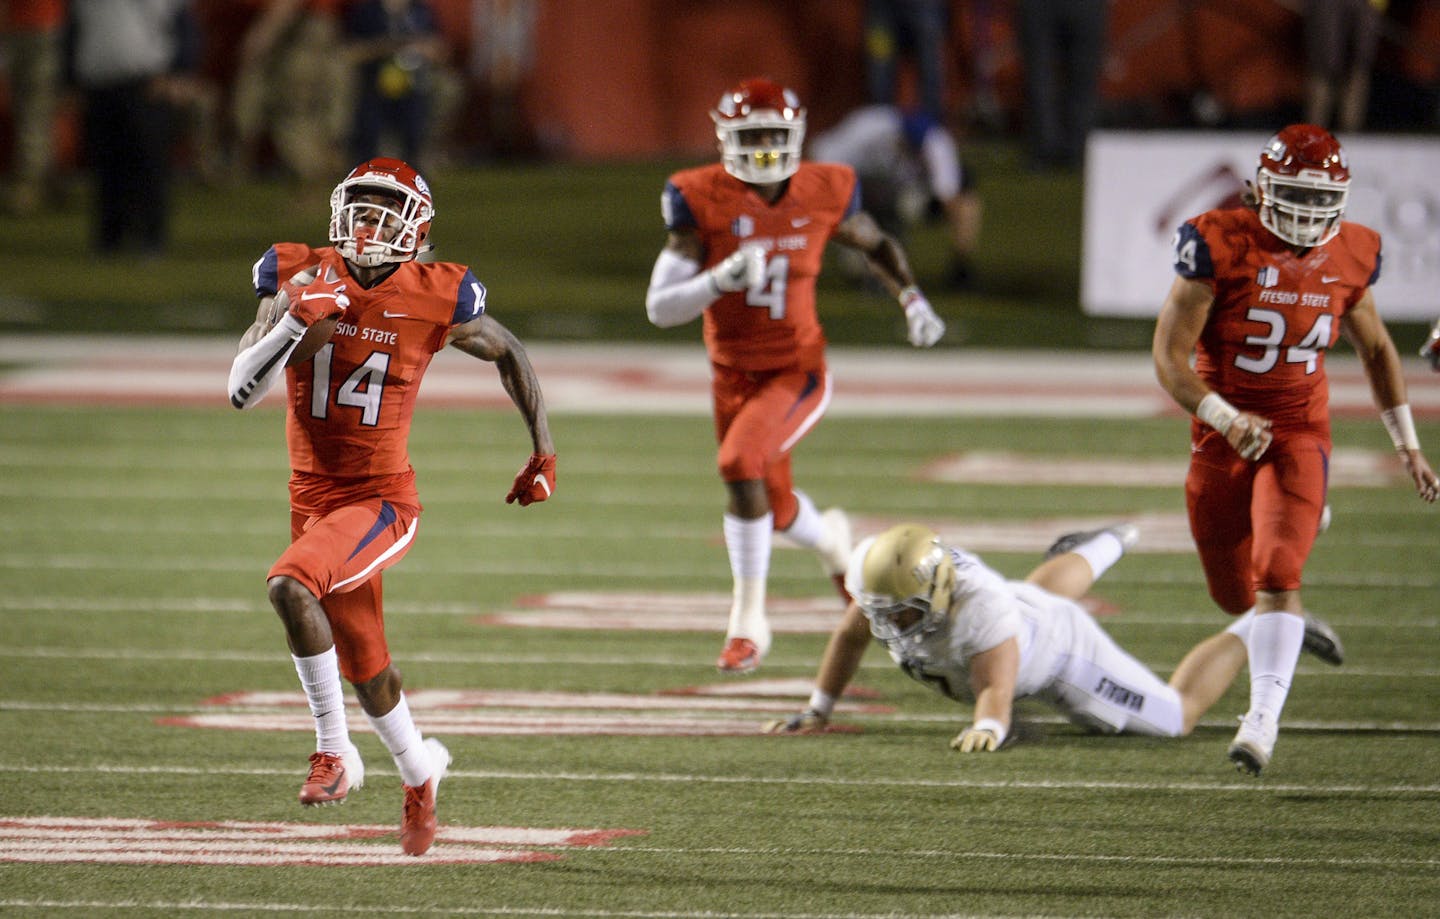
133	568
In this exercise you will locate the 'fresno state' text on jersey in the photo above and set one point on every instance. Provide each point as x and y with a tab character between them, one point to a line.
350	405
774	325
1275	312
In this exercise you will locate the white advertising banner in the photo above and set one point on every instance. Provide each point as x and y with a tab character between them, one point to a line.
1140	186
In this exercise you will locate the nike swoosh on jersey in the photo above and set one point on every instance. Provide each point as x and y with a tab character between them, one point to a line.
799	222
389	315
1327	279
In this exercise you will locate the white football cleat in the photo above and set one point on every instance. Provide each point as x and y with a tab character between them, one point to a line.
1254	742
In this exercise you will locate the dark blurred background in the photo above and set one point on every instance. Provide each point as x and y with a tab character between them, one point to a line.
547	128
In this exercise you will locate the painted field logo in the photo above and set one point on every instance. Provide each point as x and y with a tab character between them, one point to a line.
688	712
167	842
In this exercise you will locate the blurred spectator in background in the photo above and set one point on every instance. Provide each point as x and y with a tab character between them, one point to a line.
919	27
1340	40
1062	46
909	167
402	86
292	89
128	55
502	55
34	66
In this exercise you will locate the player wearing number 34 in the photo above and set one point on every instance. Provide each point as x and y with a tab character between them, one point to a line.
354	507
1263	291
746	237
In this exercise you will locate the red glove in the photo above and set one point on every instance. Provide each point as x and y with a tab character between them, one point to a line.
536	481
315	294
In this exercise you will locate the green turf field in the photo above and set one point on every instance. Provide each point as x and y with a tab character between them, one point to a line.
136	542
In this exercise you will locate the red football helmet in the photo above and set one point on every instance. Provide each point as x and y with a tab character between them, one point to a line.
1303	182
761	127
369	231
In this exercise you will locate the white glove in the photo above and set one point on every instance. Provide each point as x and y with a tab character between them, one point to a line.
976	740
924	326
806	722
741	270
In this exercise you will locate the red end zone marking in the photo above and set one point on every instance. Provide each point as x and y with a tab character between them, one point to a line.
139	841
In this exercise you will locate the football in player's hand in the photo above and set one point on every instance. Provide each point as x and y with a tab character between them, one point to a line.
319	332
312	341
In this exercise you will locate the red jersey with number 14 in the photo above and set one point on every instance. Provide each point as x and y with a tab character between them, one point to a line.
1275	312
775	326
350	406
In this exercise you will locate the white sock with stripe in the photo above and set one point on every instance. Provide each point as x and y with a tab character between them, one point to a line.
1274	648
398	732
320	678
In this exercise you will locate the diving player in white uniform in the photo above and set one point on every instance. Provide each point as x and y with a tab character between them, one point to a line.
957	625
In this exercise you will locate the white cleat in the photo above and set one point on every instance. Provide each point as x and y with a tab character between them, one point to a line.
1254	742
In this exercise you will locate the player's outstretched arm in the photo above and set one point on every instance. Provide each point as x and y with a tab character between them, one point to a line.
1364	329
837	668
488	340
992	679
887	262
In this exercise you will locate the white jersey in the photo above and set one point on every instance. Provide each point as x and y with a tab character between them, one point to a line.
1065	657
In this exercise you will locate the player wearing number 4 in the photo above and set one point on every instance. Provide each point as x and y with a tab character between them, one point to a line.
1263	291
746	238
353	502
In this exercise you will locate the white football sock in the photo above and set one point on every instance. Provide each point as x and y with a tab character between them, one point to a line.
748	542
1274	648
808	529
1101	551
398	732
1240	628
320	678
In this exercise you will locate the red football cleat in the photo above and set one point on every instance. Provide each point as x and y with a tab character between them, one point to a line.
331	777
417	819
741	655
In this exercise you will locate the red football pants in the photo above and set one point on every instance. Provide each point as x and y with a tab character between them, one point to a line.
339	556
1255	523
759	417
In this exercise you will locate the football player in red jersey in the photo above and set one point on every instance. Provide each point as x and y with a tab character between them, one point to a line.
353	502
746	238
1263	291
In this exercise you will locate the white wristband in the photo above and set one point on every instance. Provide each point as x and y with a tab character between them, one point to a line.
822	702
907	295
1216	412
993	726
1401	425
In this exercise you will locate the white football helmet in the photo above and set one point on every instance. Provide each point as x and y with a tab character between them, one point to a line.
761	127
1303	181
370	233
904	582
